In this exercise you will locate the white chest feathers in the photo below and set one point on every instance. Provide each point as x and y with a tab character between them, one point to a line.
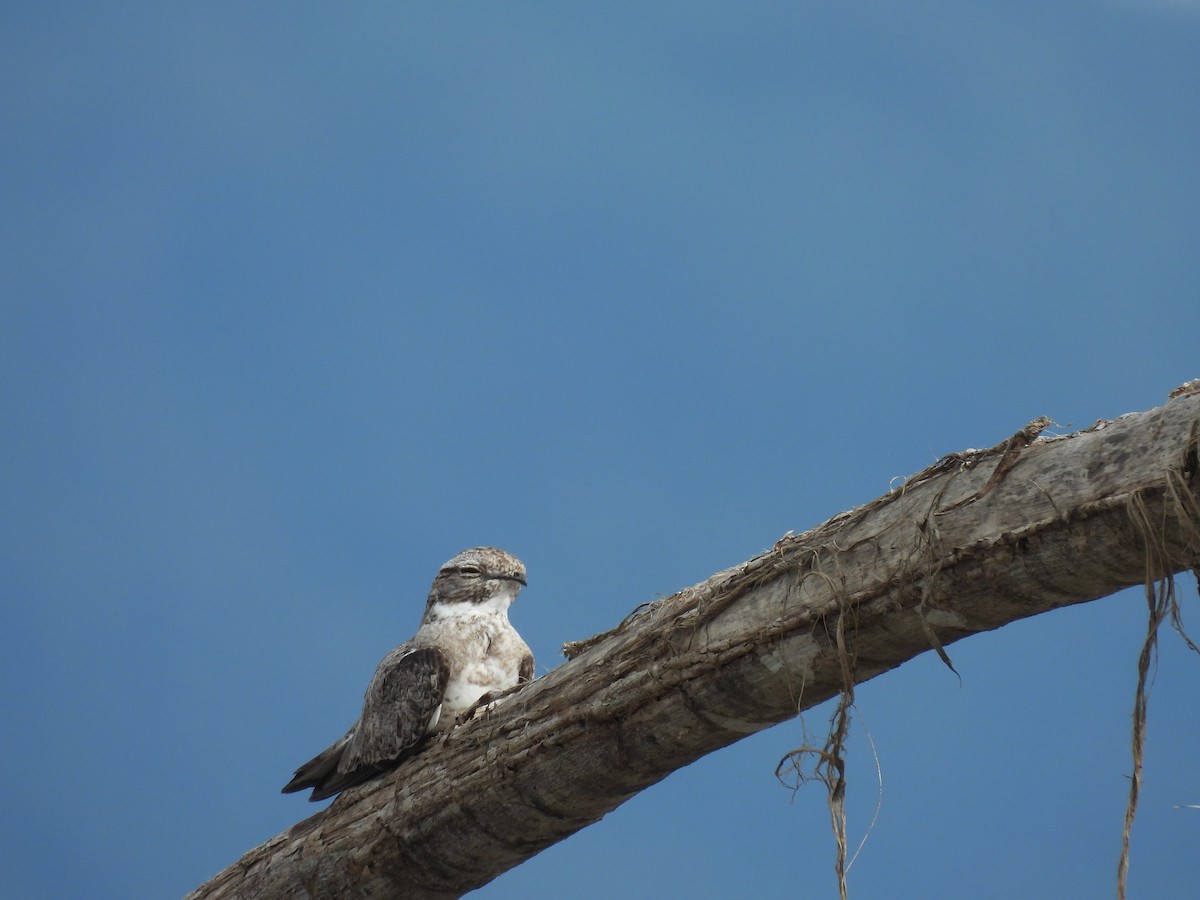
483	650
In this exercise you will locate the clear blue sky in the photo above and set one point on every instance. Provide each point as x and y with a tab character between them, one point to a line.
298	301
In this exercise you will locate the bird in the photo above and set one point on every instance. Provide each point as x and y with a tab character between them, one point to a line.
464	652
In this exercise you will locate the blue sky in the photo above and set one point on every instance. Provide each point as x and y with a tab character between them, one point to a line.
299	301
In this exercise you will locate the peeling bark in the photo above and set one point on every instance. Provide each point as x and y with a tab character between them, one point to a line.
978	540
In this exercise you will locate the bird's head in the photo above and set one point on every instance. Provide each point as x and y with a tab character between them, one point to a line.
479	578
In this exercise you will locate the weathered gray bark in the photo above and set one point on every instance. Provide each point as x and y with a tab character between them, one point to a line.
980	539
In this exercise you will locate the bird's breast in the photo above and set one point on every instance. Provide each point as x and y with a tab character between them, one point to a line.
484	655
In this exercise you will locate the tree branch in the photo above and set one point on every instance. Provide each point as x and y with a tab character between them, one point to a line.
978	540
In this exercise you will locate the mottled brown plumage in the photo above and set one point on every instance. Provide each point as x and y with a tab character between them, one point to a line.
464	649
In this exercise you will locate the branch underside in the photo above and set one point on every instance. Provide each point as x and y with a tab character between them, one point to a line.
980	539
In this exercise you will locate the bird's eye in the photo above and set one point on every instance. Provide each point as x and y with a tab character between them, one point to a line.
470	570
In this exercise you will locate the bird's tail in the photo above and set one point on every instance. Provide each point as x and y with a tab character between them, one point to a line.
318	771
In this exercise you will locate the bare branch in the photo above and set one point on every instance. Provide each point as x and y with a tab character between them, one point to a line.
978	540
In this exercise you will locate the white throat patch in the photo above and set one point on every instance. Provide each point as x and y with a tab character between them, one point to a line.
498	603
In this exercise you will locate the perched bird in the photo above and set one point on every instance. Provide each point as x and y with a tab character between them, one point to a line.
464	650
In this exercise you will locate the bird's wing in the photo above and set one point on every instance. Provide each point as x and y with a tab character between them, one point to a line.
402	703
525	670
